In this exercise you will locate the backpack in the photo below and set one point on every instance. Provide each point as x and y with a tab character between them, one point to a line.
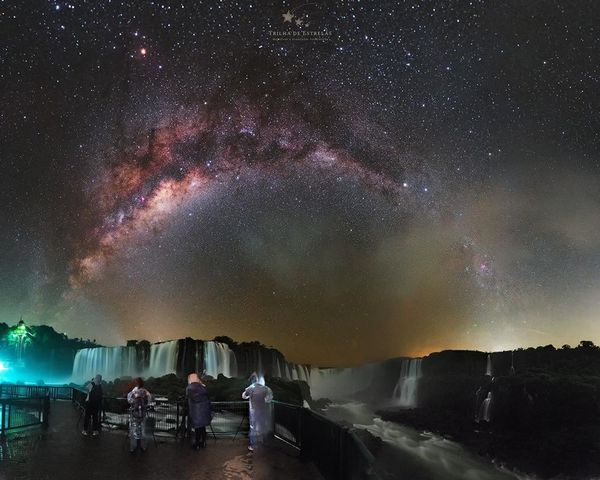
139	405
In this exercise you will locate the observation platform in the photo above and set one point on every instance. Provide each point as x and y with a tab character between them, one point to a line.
60	452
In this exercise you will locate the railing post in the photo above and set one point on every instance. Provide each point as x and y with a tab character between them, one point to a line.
3	419
46	409
300	427
303	427
177	421
343	452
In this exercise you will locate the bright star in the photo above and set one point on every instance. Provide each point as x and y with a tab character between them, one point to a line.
287	17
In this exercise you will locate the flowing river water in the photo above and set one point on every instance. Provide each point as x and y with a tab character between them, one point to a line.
410	454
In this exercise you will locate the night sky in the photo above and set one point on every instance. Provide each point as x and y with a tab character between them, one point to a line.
345	181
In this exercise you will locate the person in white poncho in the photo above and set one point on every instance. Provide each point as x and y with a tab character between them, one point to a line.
260	397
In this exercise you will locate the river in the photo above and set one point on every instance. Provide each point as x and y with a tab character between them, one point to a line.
410	454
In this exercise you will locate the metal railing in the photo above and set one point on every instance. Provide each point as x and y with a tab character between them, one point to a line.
229	418
78	396
335	449
287	423
20	412
62	392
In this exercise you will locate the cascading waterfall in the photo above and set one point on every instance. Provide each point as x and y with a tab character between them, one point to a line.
512	362
488	368
339	383
117	362
163	359
110	362
259	367
132	365
297	372
276	366
405	392
304	373
219	358
485	411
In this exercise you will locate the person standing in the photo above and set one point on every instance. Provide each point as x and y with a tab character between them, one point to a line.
93	406
139	398
199	411
260	397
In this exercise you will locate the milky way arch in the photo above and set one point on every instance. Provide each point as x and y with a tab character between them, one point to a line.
217	143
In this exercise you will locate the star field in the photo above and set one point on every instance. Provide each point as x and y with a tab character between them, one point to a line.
399	178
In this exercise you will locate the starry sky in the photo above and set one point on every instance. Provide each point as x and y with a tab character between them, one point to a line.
345	181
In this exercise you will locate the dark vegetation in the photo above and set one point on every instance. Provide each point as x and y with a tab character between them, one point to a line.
220	389
39	348
544	414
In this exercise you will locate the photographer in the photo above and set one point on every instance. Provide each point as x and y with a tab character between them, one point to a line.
199	410
139	398
93	406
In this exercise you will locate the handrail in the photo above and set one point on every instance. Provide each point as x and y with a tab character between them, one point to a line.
316	436
287	404
19	390
21	412
320	439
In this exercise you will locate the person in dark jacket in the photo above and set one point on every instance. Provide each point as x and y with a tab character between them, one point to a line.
199	412
93	406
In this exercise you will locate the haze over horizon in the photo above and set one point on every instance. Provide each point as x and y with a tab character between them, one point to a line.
425	178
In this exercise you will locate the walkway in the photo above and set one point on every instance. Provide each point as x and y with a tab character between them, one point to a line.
61	453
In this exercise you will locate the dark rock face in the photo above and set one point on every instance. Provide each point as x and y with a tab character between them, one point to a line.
455	362
190	355
252	354
250	357
142	353
544	407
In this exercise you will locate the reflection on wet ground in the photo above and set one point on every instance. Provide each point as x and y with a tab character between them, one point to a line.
60	452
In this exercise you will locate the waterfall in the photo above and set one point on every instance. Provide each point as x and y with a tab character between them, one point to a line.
339	383
512	362
132	365
110	362
259	368
219	358
405	392
305	373
300	372
163	359
117	362
485	411
276	366
488	368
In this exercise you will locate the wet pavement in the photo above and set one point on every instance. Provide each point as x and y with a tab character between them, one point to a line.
61	452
